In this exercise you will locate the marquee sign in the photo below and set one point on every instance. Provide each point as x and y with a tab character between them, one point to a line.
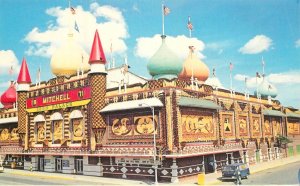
71	98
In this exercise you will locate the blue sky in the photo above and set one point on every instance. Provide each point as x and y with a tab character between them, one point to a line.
237	31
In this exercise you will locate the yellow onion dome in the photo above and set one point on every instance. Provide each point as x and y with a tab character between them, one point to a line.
194	67
69	58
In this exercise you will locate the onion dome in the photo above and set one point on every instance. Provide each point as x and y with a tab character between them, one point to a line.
24	76
266	89
164	63
97	54
69	58
214	81
9	97
194	67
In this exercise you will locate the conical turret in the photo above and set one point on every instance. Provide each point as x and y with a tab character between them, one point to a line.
97	57
24	79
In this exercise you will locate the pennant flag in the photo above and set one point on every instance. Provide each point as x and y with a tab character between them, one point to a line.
72	10
258	75
76	27
230	66
270	87
166	10
189	25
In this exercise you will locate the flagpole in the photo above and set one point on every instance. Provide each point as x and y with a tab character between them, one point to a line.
40	75
230	75
256	86
163	19
263	64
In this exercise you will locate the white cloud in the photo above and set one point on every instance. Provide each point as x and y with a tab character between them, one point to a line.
297	43
287	84
8	59
147	46
292	77
108	20
256	45
286	78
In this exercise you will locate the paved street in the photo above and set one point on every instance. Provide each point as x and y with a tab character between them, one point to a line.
284	175
20	177
288	174
13	179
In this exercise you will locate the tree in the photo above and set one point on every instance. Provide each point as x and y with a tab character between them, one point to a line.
282	141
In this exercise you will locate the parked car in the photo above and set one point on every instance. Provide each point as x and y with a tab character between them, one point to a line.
230	172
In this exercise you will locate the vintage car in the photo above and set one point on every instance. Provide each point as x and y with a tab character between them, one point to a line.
231	171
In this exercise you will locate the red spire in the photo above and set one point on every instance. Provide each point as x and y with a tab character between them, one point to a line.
97	54
24	76
9	97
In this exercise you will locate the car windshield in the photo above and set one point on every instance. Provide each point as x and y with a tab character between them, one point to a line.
229	168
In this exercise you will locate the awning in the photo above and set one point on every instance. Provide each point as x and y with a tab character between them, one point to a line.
292	115
56	116
199	103
8	120
76	114
133	104
39	118
273	113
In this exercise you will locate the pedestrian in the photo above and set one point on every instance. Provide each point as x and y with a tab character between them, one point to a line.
238	176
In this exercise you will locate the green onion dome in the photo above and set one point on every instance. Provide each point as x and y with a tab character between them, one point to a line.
164	63
266	89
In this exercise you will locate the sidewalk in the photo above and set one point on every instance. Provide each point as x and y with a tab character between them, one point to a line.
210	179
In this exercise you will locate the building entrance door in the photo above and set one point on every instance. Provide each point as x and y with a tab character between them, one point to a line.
229	158
79	166
41	164
58	164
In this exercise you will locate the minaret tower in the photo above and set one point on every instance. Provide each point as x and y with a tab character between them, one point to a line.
24	81
97	78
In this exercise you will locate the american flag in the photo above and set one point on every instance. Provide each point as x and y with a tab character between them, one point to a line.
166	10
230	66
76	27
189	25
72	10
258	75
262	62
39	74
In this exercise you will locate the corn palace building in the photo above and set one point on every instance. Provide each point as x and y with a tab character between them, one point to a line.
100	121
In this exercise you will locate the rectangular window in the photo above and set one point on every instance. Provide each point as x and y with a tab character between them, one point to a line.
93	160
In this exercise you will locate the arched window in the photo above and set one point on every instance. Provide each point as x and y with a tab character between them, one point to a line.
57	128
76	126
40	128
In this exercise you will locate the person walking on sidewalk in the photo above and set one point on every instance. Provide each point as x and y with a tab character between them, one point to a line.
238	176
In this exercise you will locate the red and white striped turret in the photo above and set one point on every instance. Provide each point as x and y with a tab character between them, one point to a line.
24	79
97	57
